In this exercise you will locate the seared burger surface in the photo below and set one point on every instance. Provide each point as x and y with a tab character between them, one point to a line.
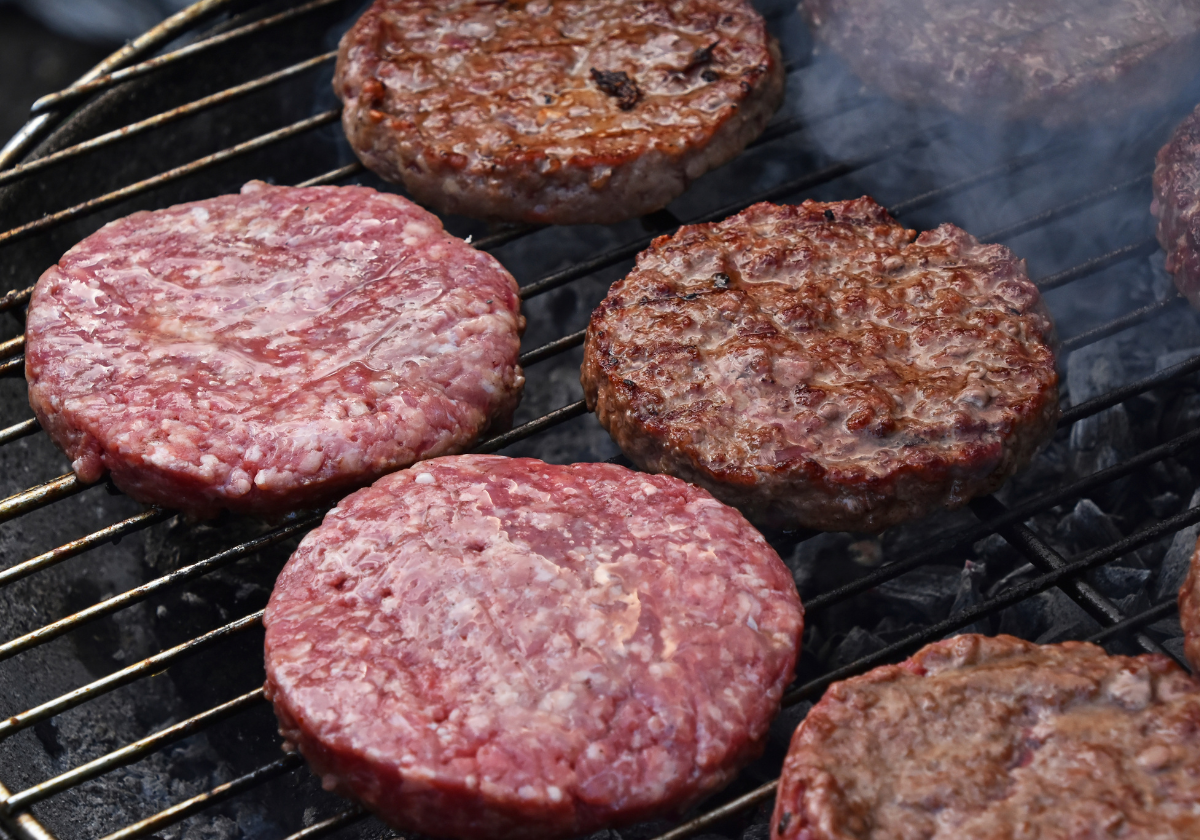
821	366
483	647
266	351
998	739
568	112
1177	205
1063	62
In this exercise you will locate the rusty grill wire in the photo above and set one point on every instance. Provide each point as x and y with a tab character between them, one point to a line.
992	517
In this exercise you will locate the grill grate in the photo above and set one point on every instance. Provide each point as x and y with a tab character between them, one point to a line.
788	142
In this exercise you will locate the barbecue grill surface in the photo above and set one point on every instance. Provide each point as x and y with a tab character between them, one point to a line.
1111	498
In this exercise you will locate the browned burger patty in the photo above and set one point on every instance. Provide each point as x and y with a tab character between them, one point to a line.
819	365
571	112
1063	62
1177	205
979	738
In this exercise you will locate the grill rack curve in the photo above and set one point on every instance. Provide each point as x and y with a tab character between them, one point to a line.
992	517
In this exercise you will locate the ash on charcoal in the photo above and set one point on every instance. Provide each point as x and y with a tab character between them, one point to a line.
1175	563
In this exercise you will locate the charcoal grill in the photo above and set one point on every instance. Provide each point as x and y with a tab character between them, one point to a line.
130	640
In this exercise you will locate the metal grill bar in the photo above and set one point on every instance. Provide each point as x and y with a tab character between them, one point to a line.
76	547
1015	595
165	118
165	31
81	89
19	430
62	487
956	541
330	825
1010	167
553	348
1067	209
197	803
130	753
334	176
145	668
175	174
1142	248
759	794
1123	323
140	593
1140	620
1045	558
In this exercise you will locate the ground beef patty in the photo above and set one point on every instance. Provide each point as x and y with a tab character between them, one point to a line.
485	647
999	739
264	351
814	365
1063	62
1177	205
1189	611
569	112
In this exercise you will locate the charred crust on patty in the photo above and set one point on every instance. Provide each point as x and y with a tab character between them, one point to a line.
854	377
541	140
617	84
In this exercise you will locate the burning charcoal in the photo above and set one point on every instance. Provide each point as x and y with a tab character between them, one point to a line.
1164	504
1087	527
927	591
1063	618
994	549
1093	370
1101	441
1116	582
1175	564
857	644
779	736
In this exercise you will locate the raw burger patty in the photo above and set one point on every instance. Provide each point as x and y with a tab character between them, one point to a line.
1059	62
1177	205
575	111
484	647
980	738
265	351
815	366
1189	611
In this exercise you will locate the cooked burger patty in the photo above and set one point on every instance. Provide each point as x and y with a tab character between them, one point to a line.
264	351
815	366
1177	205
1189	611
1063	62
998	739
483	647
569	112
